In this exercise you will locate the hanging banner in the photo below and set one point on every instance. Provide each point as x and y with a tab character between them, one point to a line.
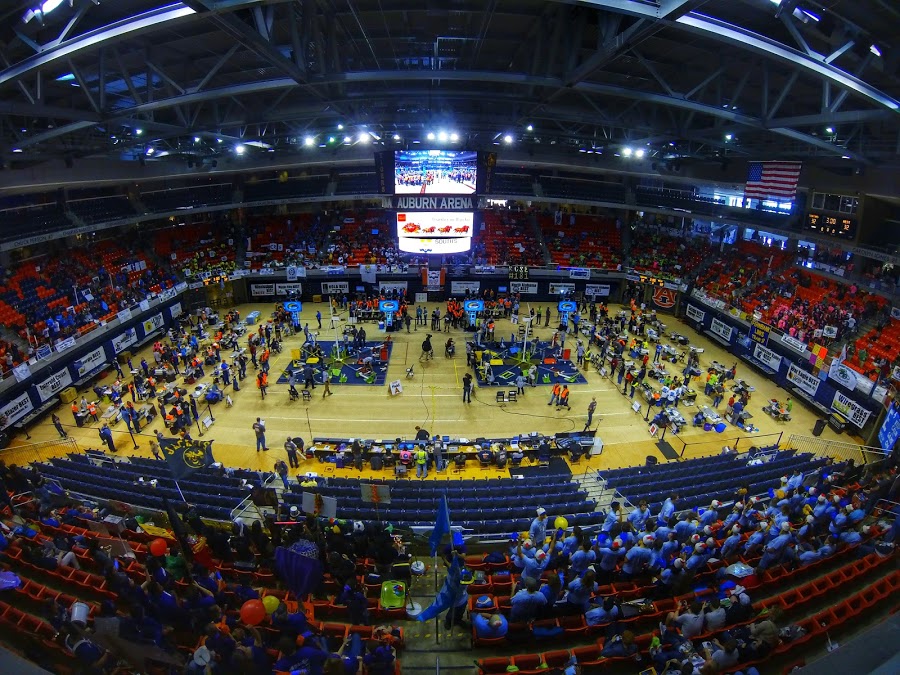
890	430
595	290
294	273
155	322
695	314
288	289
175	310
846	376
561	289
262	290
63	345
167	294
759	332
15	410
22	372
723	330
124	315
335	287
802	380
830	331
90	362
53	384
126	339
853	411
664	299
523	287
368	274
433	280
767	357
793	343
579	273
460	287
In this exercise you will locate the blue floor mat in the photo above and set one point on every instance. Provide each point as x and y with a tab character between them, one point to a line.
562	370
342	368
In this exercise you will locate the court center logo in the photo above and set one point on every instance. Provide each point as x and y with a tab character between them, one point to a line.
664	297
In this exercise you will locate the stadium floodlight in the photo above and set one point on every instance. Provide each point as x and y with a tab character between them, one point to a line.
430	136
218	140
396	137
138	132
530	127
442	136
49	5
829	130
454	137
240	149
639	153
728	137
331	139
874	49
508	139
309	141
150	151
627	152
17	150
196	139
347	139
364	138
340	127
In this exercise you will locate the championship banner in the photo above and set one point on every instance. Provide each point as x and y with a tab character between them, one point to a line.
460	287
368	274
767	357
53	384
15	410
594	290
523	287
759	332
695	314
723	330
90	361
185	457
288	289
155	322
433	279
335	287
802	380
126	339
262	290
850	409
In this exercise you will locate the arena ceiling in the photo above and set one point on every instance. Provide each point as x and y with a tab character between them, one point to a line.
685	79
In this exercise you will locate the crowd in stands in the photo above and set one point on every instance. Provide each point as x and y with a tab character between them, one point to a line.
668	253
582	240
505	237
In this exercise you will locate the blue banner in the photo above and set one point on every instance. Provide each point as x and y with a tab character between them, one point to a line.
890	430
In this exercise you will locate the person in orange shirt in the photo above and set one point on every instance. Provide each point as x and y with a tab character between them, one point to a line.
92	411
75	410
554	394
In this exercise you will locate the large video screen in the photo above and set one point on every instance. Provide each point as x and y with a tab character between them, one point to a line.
435	172
435	232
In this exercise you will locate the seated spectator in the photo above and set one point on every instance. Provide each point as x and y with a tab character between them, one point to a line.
490	626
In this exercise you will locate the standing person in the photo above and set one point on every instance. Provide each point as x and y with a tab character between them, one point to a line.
467	388
563	400
407	320
308	377
554	394
592	406
319	318
259	428
262	382
282	470
547	318
107	437
520	383
291	448
155	449
421	462
59	427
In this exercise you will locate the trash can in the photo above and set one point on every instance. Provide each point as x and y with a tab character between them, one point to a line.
819	427
652	460
567	354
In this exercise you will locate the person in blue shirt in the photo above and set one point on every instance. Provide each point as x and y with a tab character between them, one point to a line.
756	540
527	603
730	547
582	558
710	515
667	510
795	481
490	626
777	549
639	516
534	567
613	517
581	590
685	529
573	542
639	558
538	530
552	589
605	613
609	559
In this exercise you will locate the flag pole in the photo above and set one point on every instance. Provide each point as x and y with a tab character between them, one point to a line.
178	487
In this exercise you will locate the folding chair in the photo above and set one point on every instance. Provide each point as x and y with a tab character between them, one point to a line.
512	396
501	397
307	395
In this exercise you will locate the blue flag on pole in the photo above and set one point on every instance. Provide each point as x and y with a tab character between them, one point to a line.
441	525
446	597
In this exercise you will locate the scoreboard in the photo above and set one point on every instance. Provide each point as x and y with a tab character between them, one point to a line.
841	227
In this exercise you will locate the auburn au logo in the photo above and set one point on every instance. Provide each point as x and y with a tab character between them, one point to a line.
664	297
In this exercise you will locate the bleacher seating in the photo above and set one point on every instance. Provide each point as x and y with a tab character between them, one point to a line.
27	220
356	243
665	254
513	184
583	241
699	481
102	210
676	198
575	187
507	238
356	184
496	505
214	495
302	187
163	201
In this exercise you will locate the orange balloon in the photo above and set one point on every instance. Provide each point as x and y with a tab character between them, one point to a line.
253	612
158	547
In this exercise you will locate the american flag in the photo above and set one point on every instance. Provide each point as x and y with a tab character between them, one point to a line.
767	180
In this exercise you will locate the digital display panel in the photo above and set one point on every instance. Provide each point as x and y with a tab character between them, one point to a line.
435	172
435	232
